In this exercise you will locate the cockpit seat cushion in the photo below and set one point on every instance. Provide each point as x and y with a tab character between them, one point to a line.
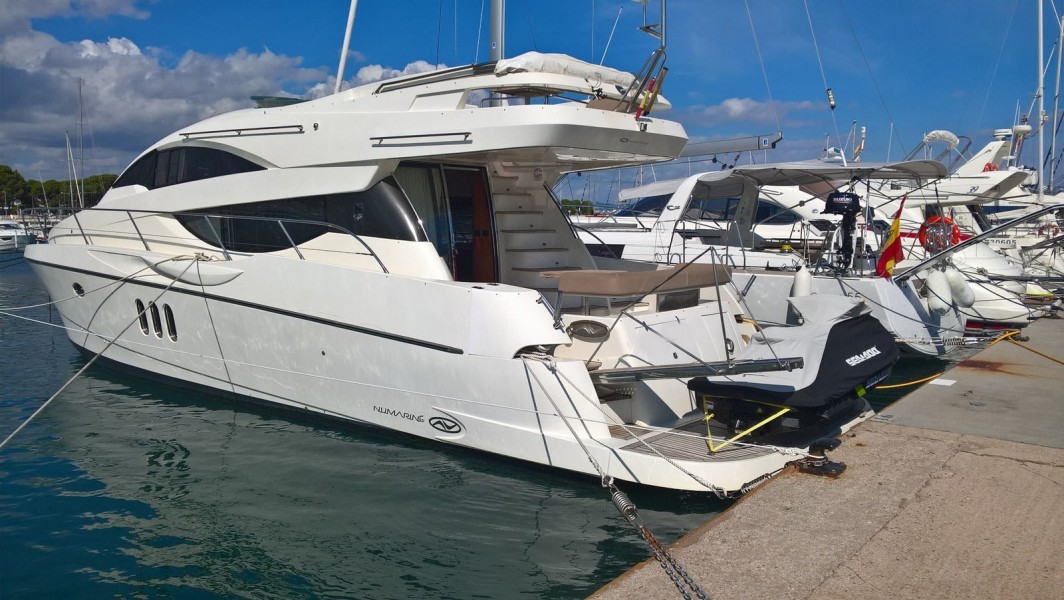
616	284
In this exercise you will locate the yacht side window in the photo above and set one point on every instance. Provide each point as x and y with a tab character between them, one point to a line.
172	166
712	209
141	172
771	214
382	211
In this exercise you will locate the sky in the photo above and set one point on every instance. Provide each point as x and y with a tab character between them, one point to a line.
736	68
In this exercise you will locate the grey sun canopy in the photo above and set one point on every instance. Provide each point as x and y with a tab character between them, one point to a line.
733	181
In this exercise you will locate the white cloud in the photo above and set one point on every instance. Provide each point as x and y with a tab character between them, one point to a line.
372	73
15	15
745	111
120	46
132	96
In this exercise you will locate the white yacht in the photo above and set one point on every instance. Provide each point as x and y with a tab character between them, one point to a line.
13	236
717	215
393	255
1000	295
928	227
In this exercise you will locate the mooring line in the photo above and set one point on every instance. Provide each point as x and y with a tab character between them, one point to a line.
1029	349
908	383
119	282
673	568
110	343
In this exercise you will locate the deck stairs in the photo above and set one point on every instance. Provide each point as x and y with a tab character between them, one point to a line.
533	236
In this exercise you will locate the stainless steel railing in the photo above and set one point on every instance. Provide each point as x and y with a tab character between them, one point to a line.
212	219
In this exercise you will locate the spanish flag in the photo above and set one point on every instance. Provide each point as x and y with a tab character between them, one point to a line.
891	253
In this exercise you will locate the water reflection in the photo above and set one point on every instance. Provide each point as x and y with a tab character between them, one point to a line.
236	501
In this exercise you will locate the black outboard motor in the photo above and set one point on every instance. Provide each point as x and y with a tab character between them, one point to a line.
848	205
846	353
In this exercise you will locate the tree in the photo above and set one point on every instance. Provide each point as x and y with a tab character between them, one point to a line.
33	193
96	186
12	187
578	207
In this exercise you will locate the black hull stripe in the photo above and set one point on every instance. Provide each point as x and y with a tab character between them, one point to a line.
277	311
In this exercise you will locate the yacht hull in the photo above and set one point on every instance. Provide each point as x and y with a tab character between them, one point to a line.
441	360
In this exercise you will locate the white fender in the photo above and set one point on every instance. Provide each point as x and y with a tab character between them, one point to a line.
963	296
803	282
939	296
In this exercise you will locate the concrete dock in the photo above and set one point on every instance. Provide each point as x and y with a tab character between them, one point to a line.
954	491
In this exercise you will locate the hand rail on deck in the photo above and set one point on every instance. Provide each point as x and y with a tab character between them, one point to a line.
217	235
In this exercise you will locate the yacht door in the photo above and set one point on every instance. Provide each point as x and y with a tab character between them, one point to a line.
472	226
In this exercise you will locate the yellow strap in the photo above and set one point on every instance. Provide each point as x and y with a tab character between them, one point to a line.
907	383
709	434
1042	354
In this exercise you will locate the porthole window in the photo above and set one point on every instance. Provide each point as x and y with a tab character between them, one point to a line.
156	320
142	317
171	327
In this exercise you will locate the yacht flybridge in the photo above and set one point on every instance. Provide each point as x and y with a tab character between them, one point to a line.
392	255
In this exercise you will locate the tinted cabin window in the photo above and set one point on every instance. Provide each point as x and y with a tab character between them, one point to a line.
179	165
713	209
142	172
771	214
382	211
651	205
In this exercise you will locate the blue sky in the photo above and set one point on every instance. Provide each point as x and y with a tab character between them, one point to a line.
152	66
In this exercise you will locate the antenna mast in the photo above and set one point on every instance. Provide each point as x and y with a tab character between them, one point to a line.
347	44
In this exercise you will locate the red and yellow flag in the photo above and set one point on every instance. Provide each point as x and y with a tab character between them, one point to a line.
891	253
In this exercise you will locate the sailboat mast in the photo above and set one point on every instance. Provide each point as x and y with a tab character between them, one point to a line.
81	133
498	30
74	183
1041	108
1056	102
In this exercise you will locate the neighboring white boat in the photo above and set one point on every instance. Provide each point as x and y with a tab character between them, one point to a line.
1035	246
1000	292
928	227
392	255
711	215
13	236
779	222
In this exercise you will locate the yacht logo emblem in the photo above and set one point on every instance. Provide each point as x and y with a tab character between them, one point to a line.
857	359
588	331
445	425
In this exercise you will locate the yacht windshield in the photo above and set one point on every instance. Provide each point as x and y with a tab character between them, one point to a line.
651	205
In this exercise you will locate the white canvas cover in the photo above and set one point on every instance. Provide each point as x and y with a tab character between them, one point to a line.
941	135
562	64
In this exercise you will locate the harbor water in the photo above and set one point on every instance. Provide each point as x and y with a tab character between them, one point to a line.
125	488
